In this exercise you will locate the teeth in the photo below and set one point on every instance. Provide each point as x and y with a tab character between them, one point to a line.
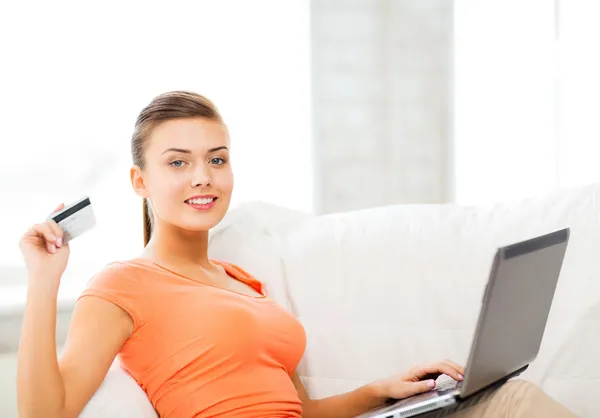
201	201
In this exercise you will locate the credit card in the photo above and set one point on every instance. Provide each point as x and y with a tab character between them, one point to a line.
75	219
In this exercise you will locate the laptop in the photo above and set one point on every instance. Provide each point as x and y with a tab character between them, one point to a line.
515	308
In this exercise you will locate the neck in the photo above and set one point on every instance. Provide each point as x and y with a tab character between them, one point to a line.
176	246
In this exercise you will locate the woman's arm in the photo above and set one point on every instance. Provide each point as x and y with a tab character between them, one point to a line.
49	388
417	380
46	387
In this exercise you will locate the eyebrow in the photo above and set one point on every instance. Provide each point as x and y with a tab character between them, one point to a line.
187	151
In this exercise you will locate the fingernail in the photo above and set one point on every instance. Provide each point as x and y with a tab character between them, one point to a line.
59	242
461	376
431	384
52	248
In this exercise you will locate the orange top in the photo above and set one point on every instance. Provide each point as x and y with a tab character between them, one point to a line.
203	351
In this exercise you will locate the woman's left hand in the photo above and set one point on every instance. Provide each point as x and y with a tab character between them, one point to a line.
417	380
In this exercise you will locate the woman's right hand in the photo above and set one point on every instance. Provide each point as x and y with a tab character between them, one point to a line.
45	254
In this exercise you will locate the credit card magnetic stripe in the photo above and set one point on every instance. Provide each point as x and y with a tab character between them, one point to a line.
63	215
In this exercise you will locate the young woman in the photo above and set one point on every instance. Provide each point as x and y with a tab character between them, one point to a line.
200	336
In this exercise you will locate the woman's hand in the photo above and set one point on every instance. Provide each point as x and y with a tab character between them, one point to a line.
417	380
45	254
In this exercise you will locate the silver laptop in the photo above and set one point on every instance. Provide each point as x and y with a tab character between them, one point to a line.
515	308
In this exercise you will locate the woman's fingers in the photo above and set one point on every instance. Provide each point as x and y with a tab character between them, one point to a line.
45	231
56	229
460	369
58	233
434	370
414	388
452	369
47	234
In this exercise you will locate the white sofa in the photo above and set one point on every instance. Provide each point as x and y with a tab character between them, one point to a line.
382	289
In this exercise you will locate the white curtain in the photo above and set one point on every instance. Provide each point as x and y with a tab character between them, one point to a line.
75	74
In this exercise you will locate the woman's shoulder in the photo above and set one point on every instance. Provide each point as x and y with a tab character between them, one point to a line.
112	273
126	267
121	273
118	282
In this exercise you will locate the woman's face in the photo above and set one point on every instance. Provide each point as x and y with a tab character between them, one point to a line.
188	176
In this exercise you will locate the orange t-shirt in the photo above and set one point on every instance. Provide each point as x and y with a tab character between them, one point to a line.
203	351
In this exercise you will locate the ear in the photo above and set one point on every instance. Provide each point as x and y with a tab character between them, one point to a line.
137	181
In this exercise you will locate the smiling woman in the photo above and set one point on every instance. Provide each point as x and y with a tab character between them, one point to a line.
180	149
180	142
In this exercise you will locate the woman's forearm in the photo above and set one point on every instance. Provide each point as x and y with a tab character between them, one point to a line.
347	405
40	388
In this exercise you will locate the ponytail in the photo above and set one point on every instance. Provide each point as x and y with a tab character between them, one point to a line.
147	216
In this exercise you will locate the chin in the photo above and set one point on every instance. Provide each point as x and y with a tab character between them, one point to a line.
201	220
205	223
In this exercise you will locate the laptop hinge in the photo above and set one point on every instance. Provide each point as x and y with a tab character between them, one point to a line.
497	383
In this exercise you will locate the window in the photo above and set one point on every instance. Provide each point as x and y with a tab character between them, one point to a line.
527	96
505	141
75	76
579	92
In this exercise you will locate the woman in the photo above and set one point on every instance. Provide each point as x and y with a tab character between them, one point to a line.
200	336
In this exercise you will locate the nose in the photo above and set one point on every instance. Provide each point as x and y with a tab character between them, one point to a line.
201	177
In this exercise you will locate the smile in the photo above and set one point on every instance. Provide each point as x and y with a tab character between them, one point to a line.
201	203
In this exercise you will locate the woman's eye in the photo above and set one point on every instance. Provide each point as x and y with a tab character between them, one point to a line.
177	163
217	161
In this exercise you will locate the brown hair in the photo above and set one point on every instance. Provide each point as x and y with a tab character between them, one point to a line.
167	106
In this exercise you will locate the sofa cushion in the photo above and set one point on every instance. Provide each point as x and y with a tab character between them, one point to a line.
119	396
